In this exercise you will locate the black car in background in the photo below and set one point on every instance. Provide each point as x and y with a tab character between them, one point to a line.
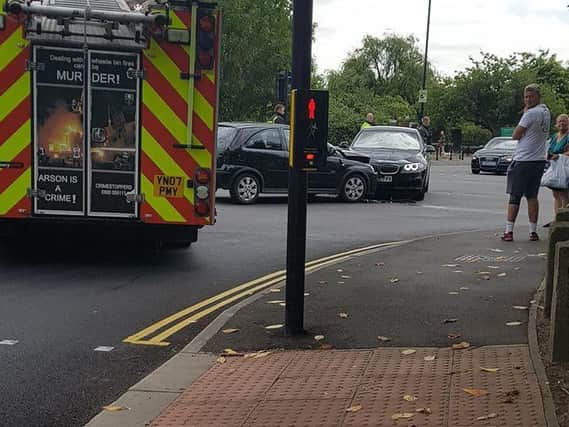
399	156
495	157
252	158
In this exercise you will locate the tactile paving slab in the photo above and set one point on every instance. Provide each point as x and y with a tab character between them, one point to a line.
512	390
314	388
305	413
347	363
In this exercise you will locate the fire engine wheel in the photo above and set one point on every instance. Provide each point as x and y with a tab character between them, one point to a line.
354	189
246	189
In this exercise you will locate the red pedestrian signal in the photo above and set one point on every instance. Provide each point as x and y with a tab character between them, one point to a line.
312	109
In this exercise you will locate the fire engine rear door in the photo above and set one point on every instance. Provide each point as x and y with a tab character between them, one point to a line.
113	136
59	172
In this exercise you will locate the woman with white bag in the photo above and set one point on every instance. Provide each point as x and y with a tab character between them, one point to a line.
556	177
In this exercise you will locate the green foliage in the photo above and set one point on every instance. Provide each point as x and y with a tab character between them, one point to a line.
474	135
256	44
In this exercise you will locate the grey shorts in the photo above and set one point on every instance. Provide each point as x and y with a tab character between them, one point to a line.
524	178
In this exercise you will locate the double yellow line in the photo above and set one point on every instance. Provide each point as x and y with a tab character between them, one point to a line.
160	331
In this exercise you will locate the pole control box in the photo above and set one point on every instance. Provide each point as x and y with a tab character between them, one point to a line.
309	129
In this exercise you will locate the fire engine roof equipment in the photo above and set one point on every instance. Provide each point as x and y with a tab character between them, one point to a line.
99	23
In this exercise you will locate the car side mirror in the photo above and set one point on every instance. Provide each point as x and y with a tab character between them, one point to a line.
331	151
431	149
258	145
344	144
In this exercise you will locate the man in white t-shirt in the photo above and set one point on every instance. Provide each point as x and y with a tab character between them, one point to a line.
524	174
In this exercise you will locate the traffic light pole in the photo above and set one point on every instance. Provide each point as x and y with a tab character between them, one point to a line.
296	231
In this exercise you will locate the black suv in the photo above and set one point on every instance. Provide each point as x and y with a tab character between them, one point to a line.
252	158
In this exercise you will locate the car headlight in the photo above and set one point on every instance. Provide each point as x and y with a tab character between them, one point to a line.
507	159
413	167
474	157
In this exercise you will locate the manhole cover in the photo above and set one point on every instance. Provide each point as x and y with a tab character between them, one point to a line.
490	258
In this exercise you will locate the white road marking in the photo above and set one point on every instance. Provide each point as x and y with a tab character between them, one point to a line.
455	209
8	342
104	348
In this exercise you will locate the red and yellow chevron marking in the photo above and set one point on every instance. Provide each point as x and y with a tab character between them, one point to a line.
165	116
15	122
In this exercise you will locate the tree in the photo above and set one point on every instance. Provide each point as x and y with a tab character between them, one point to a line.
248	74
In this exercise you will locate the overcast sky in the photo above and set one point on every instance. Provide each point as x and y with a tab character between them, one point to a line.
459	28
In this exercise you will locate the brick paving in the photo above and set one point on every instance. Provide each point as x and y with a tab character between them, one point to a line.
315	388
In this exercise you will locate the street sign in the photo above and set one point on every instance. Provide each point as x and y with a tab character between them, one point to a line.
423	96
309	126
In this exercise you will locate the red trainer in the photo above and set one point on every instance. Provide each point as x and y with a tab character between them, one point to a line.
508	237
533	237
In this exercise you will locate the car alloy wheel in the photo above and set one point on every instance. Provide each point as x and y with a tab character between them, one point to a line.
246	189
354	189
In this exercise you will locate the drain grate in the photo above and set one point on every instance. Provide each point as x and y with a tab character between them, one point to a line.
490	258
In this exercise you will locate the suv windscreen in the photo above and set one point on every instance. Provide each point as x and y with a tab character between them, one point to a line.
225	135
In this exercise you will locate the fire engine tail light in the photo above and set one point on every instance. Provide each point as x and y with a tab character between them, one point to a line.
202	193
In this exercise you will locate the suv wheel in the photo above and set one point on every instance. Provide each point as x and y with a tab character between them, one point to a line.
354	189
246	189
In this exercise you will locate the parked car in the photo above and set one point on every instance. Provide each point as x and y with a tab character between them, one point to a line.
495	157
252	158
399	156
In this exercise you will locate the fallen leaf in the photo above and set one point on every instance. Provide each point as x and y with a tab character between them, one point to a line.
340	283
513	323
346	277
394	280
450	321
542	254
487	417
326	347
450	265
408	352
340	270
483	272
453	336
453	293
403	416
277	326
429	358
521	307
485	277
476	392
275	290
517	268
410	398
419	272
229	352
384	339
275	301
426	411
379	264
230	331
260	354
306	294
491	370
502	274
533	301
115	408
461	346
319	337
499	251
465	288
354	408
493	267
343	315
458	271
221	360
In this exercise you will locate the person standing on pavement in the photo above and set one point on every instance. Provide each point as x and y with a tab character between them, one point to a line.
526	169
558	146
279	117
369	121
426	131
441	143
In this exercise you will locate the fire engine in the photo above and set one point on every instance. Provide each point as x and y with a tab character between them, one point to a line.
108	116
